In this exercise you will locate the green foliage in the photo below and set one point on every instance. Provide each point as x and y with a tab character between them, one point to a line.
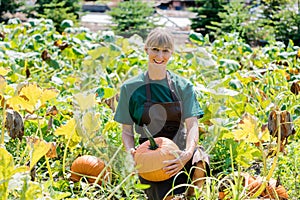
230	79
58	11
284	18
256	24
234	19
207	14
132	17
9	6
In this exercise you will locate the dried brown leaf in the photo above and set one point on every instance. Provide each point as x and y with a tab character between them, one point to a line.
14	124
295	88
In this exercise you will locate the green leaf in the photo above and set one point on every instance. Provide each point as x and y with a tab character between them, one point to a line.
66	24
96	53
229	66
53	63
109	92
60	195
197	38
141	186
246	154
7	170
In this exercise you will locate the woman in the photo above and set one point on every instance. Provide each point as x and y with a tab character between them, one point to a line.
167	104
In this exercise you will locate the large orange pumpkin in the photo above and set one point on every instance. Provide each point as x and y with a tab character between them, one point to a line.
90	166
150	155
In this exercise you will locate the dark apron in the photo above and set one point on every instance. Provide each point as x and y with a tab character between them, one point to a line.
164	120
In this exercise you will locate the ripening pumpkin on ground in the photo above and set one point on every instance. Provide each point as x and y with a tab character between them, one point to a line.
149	157
90	166
252	184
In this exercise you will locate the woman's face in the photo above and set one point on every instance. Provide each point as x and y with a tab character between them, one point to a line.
158	56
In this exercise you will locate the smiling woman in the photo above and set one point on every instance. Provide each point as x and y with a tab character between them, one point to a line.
166	105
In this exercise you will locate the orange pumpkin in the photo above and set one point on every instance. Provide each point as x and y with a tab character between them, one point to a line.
150	155
90	166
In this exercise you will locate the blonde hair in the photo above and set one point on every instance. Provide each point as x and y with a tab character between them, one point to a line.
160	37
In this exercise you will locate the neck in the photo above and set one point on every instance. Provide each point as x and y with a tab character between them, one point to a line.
156	73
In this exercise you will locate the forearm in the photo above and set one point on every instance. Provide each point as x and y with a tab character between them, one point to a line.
127	136
192	134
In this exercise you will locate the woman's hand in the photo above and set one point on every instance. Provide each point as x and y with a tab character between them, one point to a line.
175	165
132	151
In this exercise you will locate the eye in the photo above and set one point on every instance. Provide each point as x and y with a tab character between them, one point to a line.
166	51
155	49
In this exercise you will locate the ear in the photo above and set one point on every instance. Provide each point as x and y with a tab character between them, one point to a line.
146	50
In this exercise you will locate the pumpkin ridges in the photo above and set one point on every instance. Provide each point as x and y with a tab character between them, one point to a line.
87	165
150	162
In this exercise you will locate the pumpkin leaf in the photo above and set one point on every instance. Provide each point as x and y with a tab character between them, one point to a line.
246	153
48	94
96	53
196	38
110	125
248	130
31	98
85	101
39	149
109	92
17	103
2	84
91	122
3	71
7	168
69	132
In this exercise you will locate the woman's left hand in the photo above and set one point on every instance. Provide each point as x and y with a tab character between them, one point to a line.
174	166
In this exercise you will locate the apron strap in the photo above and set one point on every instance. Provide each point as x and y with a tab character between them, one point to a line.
148	90
170	85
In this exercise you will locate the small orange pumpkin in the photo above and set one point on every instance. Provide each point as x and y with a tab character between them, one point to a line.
150	155
90	166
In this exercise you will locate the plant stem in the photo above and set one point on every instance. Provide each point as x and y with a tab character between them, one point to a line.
263	185
153	144
118	186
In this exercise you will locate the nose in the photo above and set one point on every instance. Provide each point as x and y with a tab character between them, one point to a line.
159	53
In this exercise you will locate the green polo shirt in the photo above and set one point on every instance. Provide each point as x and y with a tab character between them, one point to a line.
133	96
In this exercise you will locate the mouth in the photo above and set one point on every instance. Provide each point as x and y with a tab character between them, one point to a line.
158	62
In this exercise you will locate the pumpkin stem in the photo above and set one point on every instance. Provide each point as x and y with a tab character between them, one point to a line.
153	144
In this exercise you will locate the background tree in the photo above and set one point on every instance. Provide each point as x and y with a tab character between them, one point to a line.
132	17
9	6
283	16
57	10
238	18
207	13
